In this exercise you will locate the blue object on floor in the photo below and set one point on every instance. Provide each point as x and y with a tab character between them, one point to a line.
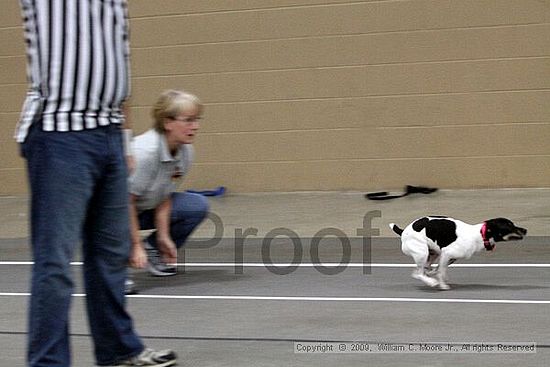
219	191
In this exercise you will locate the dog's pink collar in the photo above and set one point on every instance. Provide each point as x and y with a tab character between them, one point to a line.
488	245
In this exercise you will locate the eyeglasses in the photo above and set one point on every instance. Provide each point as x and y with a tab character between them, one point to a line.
186	119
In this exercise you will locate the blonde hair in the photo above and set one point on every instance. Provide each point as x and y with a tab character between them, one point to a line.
172	103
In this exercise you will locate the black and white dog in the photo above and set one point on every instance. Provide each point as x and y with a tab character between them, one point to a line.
443	240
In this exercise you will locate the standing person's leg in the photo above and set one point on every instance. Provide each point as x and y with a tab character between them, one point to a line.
106	250
61	182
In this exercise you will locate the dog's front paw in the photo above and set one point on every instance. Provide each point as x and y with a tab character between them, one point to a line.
427	280
432	282
444	286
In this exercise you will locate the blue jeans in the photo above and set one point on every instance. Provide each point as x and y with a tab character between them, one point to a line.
79	194
188	211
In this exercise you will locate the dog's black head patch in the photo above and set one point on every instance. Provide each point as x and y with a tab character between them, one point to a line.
438	229
502	229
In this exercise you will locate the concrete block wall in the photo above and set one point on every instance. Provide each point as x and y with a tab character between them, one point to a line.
336	94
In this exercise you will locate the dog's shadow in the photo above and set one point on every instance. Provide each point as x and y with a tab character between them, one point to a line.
466	288
488	287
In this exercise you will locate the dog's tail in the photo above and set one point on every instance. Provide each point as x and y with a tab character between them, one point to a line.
396	229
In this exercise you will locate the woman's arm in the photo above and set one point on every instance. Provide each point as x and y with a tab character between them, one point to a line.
165	244
138	256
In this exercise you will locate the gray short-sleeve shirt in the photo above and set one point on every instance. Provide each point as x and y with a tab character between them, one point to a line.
156	169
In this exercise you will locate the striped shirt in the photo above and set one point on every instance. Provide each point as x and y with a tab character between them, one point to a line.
77	64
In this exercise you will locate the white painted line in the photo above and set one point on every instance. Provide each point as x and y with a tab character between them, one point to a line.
309	265
343	299
15	294
319	299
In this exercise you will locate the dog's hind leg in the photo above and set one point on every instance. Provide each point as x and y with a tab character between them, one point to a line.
433	258
419	272
419	252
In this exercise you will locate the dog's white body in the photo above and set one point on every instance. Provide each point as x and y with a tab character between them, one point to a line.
425	251
442	239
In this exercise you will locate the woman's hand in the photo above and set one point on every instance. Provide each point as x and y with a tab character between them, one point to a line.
168	249
138	257
130	164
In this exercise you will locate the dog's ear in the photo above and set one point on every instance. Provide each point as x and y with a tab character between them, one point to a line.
493	228
490	227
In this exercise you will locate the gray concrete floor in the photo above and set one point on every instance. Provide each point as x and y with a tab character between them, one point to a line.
214	313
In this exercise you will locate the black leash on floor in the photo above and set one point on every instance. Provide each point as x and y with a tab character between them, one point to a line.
384	195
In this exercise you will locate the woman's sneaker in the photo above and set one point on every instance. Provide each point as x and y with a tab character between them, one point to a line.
156	266
152	358
129	287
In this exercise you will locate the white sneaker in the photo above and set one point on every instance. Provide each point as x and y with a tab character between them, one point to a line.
152	358
129	287
155	265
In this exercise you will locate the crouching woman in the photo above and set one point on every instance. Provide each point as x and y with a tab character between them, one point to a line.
163	155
